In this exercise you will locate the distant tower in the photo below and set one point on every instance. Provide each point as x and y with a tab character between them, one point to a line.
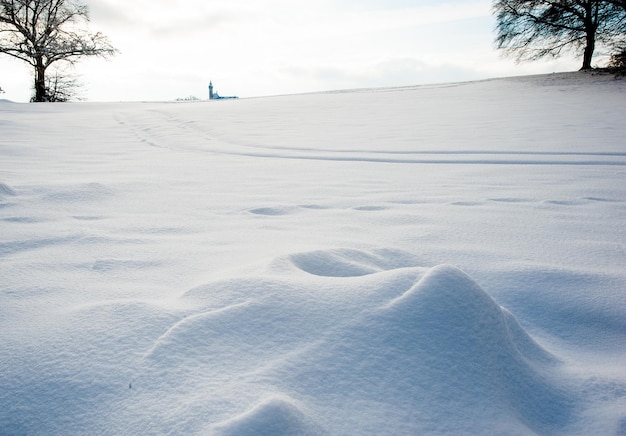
210	90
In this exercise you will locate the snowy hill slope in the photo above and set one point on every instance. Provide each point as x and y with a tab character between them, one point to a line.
426	260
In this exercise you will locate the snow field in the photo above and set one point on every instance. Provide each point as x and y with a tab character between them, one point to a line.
427	260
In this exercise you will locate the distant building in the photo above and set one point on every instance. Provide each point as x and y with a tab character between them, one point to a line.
213	95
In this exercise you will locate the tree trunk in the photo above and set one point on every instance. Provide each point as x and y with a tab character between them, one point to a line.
591	25
589	48
40	82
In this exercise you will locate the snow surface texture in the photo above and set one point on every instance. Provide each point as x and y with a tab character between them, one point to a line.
427	260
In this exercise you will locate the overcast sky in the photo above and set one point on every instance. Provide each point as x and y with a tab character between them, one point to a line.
251	48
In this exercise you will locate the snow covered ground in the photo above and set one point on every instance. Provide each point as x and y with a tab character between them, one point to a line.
428	260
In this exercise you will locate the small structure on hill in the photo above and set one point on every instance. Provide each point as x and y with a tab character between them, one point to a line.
213	95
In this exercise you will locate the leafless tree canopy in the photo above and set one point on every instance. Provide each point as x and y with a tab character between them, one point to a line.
42	32
532	29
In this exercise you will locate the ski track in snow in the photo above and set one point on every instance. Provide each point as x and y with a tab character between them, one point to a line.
421	260
194	138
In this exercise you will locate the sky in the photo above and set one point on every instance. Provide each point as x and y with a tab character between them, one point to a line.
253	48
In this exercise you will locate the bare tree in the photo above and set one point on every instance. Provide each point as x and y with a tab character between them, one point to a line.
533	29
45	32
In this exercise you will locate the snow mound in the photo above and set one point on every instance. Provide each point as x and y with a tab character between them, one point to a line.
6	190
436	351
451	307
277	415
443	348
